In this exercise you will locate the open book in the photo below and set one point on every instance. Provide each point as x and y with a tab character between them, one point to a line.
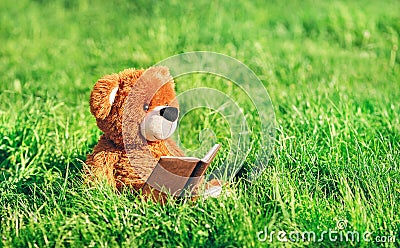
178	175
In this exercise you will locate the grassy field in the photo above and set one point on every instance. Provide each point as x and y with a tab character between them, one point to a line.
332	71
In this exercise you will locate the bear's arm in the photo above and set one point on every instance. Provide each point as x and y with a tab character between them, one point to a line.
101	163
173	148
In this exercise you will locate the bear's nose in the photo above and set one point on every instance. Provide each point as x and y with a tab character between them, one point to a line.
169	113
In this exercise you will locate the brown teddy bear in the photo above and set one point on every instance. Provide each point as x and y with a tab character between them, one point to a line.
137	110
122	154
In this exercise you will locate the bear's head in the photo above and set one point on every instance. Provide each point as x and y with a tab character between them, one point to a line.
136	106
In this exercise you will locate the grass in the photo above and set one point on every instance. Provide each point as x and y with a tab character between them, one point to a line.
331	69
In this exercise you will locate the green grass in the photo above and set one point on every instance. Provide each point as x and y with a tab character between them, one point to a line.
332	72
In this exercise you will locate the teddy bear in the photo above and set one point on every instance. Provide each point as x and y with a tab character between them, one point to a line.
137	111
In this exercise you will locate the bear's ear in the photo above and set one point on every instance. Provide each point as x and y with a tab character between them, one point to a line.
103	96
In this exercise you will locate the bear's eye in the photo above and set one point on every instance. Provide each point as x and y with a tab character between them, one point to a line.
166	104
145	107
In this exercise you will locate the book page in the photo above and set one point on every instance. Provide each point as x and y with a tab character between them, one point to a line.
189	159
211	154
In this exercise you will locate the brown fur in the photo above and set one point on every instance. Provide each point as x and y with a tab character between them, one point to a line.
122	156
